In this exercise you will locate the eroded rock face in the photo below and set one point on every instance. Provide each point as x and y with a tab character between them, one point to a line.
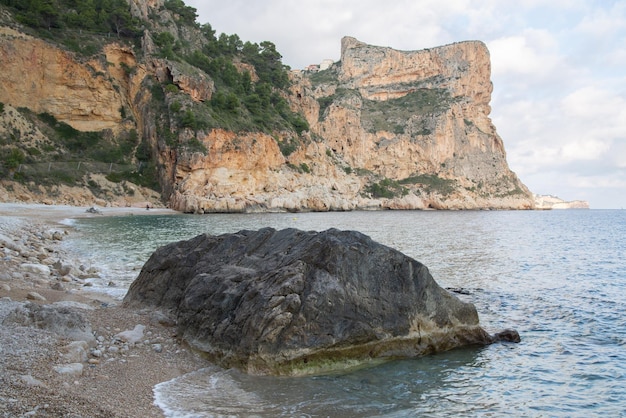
46	79
416	117
418	120
294	302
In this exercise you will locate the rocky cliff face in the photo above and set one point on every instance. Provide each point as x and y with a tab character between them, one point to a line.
42	78
547	202
388	129
415	124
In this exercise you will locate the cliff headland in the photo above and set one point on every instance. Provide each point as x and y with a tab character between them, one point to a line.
213	124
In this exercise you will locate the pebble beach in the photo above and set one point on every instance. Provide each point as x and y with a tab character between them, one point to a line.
65	350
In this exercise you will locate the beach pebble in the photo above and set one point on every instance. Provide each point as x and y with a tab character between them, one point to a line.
41	283
76	352
57	286
72	304
69	370
28	380
131	336
158	348
62	268
5	287
42	258
35	296
36	268
7	242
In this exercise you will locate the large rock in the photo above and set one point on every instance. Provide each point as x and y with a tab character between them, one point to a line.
295	302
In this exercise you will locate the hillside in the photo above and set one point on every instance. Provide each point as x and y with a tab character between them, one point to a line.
111	99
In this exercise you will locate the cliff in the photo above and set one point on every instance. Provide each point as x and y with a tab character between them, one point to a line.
552	202
385	128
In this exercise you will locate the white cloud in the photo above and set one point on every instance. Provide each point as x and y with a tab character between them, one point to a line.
603	23
583	149
533	53
603	182
593	103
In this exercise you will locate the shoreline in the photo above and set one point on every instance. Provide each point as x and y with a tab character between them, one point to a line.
45	369
56	213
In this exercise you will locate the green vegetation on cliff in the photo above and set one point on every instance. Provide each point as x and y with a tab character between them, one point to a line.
238	104
91	15
392	115
66	155
82	26
249	87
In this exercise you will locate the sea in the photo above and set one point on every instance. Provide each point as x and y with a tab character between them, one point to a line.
558	277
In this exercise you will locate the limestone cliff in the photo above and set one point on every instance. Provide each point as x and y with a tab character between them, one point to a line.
46	79
547	202
415	124
387	128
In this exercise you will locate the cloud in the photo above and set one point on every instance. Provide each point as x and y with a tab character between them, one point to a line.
513	55
588	124
616	181
531	54
583	149
603	23
593	103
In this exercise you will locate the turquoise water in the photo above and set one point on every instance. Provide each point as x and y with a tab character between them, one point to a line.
558	277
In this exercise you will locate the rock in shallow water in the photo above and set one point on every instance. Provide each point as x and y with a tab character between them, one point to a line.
295	302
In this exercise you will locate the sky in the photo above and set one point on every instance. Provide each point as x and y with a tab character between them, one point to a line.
558	68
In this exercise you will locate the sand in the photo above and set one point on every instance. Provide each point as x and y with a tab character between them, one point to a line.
117	378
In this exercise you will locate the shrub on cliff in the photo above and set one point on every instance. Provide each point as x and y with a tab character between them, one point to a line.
186	14
387	189
12	158
430	182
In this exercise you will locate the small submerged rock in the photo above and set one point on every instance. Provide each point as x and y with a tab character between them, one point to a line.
94	211
292	302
